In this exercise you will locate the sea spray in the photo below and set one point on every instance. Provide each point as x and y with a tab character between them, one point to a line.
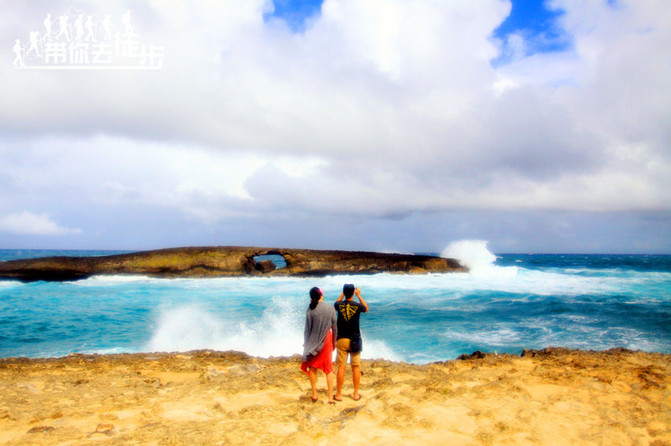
276	332
186	327
474	255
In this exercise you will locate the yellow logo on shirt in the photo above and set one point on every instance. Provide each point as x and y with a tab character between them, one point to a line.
347	311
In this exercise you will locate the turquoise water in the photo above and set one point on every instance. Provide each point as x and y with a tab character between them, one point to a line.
515	302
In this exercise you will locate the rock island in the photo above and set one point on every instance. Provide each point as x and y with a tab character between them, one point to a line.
225	261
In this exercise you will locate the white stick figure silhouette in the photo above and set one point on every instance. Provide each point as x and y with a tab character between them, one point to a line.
107	26
125	19
64	25
47	26
18	50
34	44
90	30
79	28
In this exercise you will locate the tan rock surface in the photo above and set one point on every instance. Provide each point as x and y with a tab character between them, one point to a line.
556	397
222	261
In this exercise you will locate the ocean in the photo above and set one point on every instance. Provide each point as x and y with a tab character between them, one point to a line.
507	302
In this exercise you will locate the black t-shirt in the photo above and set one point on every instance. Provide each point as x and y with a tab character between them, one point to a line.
348	318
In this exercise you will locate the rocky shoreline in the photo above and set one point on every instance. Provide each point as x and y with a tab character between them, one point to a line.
224	261
551	396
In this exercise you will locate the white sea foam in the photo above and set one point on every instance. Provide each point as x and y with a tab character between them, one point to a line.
498	336
114	279
451	286
109	351
4	284
375	349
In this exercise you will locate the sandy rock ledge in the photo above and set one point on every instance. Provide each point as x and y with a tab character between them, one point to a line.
552	396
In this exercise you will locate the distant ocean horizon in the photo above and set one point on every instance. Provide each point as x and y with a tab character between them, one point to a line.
507	302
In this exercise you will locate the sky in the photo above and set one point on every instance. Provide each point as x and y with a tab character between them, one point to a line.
396	126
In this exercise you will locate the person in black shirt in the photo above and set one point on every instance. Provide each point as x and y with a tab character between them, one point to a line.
349	338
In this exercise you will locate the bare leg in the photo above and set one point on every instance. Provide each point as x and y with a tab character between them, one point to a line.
312	374
356	379
329	386
340	381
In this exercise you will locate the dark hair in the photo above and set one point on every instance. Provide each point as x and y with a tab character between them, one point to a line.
315	295
348	290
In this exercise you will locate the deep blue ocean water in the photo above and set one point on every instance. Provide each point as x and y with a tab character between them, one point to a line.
506	303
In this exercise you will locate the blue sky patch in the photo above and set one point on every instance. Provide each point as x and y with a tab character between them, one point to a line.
531	19
537	24
295	12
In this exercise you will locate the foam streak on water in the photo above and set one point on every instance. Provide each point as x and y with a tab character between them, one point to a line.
504	304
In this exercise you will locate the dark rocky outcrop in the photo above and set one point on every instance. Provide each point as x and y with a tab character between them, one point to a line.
475	355
265	266
224	261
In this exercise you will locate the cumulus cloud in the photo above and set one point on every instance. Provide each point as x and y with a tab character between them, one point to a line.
381	114
28	223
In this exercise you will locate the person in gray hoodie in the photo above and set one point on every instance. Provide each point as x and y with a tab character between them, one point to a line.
321	331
